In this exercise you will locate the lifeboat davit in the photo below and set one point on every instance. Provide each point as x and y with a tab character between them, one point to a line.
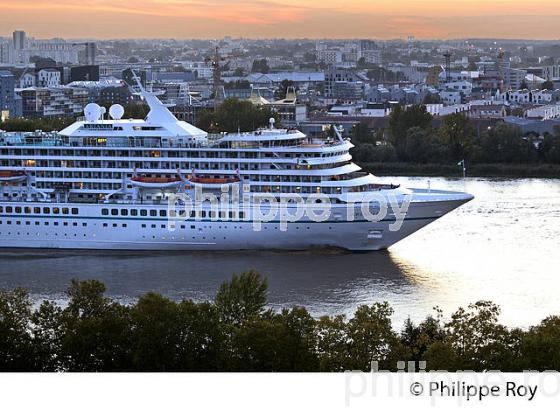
156	182
12	176
210	182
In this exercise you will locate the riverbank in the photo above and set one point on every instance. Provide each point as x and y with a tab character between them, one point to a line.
453	170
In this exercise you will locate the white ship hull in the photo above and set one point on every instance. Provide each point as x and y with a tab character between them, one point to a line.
89	230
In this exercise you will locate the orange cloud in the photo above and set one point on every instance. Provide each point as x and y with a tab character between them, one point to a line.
282	18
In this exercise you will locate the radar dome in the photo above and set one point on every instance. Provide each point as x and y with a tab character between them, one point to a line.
116	111
92	112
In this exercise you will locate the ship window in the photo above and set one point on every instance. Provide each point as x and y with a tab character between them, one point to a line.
37	223
143	225
104	212
46	224
163	212
143	212
27	209
65	211
55	223
46	210
65	223
153	225
8	209
74	211
153	212
114	225
162	226
18	209
84	224
124	212
124	225
104	225
37	210
55	210
114	211
134	212
74	223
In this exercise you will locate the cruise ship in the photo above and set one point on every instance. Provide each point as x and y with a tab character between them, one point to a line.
106	182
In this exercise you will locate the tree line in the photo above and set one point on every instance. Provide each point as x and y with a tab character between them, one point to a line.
410	137
237	332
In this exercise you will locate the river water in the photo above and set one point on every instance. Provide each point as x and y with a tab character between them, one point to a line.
503	246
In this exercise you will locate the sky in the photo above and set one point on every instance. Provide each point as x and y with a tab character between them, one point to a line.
381	19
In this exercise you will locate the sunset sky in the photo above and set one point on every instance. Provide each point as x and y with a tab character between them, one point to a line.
538	19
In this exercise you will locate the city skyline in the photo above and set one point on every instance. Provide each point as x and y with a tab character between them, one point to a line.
432	19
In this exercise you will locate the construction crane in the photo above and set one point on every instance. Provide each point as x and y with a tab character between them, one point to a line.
215	60
501	74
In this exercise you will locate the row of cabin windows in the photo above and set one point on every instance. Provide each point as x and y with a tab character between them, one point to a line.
38	210
37	223
163	213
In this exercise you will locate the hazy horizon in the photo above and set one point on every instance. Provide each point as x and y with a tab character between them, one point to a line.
290	19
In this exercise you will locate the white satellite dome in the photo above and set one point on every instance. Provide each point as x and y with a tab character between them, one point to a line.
116	111
92	112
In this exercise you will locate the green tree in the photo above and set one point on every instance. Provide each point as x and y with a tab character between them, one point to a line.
547	85
549	148
361	133
242	298
46	124
233	115
505	143
333	344
479	341
457	133
401	120
364	153
423	147
260	66
201	338
239	72
16	343
539	346
96	330
276	342
156	335
370	336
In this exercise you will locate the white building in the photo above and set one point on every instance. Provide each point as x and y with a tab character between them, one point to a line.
463	86
545	112
450	97
26	80
48	77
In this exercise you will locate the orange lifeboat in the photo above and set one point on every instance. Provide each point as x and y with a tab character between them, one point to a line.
156	182
12	176
213	182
